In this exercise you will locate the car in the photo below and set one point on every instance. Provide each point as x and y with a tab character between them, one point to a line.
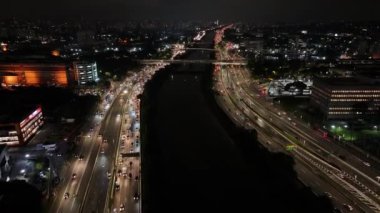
136	196
136	178
348	207
117	187
73	176
66	195
108	175
119	172
328	194
122	207
366	163
81	157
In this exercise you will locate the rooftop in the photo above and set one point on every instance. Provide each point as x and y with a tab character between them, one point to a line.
9	115
352	82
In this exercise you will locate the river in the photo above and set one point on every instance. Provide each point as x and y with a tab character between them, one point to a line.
196	160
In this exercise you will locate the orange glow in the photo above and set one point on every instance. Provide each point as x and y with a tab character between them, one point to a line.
11	80
55	53
35	74
61	77
4	47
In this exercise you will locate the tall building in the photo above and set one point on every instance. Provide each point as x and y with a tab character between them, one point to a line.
19	125
346	98
33	74
85	72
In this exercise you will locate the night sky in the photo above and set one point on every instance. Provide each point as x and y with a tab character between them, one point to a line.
226	10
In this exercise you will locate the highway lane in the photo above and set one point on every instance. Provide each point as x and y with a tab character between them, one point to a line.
266	135
239	100
125	194
314	160
276	144
86	146
97	188
316	142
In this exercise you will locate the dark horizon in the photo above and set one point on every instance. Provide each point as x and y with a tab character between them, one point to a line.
257	11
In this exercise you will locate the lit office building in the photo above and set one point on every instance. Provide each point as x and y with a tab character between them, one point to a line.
346	98
18	126
85	72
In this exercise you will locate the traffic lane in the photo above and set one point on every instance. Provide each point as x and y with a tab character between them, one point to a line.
323	187
312	176
74	163
127	182
352	159
111	132
292	128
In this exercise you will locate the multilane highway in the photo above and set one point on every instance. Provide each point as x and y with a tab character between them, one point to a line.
280	132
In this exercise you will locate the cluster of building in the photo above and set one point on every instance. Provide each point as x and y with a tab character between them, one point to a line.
314	42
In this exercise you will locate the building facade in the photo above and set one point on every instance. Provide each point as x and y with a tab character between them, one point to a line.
85	72
18	127
34	74
346	98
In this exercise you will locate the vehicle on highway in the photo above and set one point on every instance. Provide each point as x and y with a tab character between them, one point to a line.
119	172
73	176
136	178
122	207
66	195
348	207
81	157
328	194
102	150
136	196
366	163
117	186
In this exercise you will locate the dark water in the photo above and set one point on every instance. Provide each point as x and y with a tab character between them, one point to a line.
196	160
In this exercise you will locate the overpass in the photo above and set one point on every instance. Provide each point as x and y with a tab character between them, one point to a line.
193	61
197	48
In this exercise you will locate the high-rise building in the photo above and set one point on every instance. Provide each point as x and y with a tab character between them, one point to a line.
85	72
346	98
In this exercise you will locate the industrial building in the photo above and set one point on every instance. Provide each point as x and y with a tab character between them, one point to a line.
34	74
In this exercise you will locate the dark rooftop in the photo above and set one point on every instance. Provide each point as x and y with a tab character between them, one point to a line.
15	114
349	82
